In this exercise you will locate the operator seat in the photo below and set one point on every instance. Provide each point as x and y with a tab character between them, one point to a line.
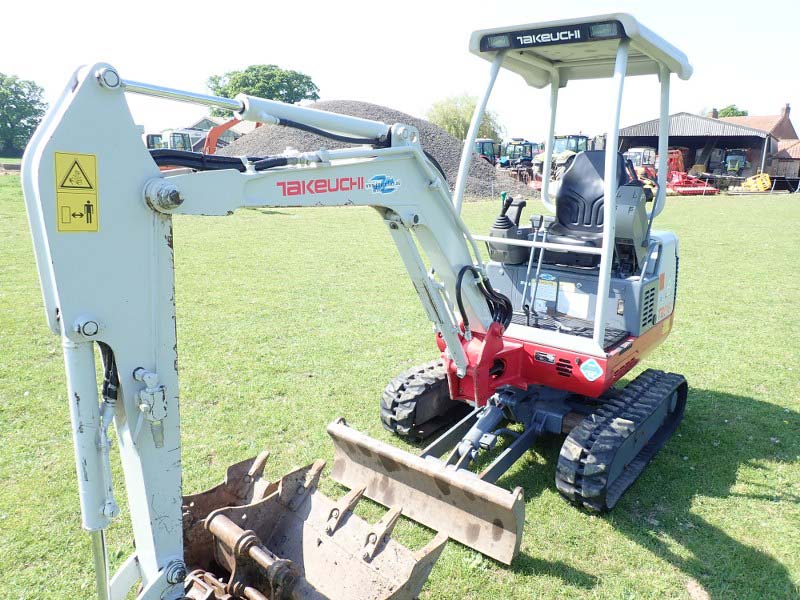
579	207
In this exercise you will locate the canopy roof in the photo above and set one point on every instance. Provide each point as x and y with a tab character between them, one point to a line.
580	48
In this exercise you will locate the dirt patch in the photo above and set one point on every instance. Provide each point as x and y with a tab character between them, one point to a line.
696	591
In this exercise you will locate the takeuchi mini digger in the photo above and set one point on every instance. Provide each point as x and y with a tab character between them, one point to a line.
533	341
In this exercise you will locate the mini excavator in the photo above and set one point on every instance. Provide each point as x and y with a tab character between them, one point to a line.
532	341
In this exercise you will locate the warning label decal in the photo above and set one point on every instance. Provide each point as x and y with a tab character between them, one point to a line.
591	370
77	207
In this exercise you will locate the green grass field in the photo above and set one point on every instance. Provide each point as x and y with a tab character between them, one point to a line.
290	318
15	160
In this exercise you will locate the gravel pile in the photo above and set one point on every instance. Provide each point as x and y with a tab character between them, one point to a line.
483	182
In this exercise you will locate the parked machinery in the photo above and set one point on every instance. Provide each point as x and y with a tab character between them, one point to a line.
680	183
736	161
537	336
565	147
643	160
488	150
519	153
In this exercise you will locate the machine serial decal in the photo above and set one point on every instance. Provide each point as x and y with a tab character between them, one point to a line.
549	37
591	370
297	187
383	184
77	207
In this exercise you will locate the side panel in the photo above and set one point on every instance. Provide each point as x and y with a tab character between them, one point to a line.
667	274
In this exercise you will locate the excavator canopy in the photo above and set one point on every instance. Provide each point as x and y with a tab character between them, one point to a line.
580	48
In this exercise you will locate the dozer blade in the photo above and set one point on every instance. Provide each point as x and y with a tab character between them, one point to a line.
457	503
249	538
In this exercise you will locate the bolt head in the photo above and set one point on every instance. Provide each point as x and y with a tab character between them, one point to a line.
90	328
161	195
168	197
109	78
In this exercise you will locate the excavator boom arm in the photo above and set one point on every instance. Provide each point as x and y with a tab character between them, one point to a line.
100	213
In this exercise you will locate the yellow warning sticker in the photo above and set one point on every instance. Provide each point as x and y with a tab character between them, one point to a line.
77	206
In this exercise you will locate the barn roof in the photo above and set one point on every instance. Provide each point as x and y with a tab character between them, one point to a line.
687	124
765	123
788	149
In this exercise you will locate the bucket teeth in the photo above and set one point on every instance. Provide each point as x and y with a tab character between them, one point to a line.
286	539
452	501
380	533
344	506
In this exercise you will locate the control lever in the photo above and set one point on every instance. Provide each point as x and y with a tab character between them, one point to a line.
516	210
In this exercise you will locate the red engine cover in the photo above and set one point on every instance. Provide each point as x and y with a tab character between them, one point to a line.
495	360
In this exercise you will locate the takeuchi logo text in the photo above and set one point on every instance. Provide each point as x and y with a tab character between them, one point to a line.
378	184
549	37
301	187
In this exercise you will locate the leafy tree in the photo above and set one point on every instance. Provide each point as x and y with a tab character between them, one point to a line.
264	81
732	111
454	115
21	110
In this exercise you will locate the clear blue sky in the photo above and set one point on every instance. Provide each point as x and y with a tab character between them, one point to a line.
402	54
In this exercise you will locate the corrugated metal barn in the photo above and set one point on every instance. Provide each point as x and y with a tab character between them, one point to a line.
706	138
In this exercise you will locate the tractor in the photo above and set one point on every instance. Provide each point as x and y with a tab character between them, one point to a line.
488	149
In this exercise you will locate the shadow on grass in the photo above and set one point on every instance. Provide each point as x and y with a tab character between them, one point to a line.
657	509
269	211
525	564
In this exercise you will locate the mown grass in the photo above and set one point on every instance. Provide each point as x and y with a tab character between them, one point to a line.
289	318
10	160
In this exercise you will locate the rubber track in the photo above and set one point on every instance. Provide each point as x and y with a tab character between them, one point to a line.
399	401
588	452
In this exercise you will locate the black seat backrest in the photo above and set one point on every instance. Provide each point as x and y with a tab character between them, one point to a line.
579	200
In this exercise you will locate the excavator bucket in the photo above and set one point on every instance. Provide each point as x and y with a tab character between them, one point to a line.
457	503
255	539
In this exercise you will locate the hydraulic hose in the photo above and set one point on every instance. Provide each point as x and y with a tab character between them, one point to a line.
211	162
194	160
499	305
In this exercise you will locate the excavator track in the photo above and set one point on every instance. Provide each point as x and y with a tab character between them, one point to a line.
417	402
609	449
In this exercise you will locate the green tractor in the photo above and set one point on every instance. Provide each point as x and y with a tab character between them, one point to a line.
565	147
519	153
736	162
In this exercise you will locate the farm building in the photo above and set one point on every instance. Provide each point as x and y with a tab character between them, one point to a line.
786	161
778	126
727	145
